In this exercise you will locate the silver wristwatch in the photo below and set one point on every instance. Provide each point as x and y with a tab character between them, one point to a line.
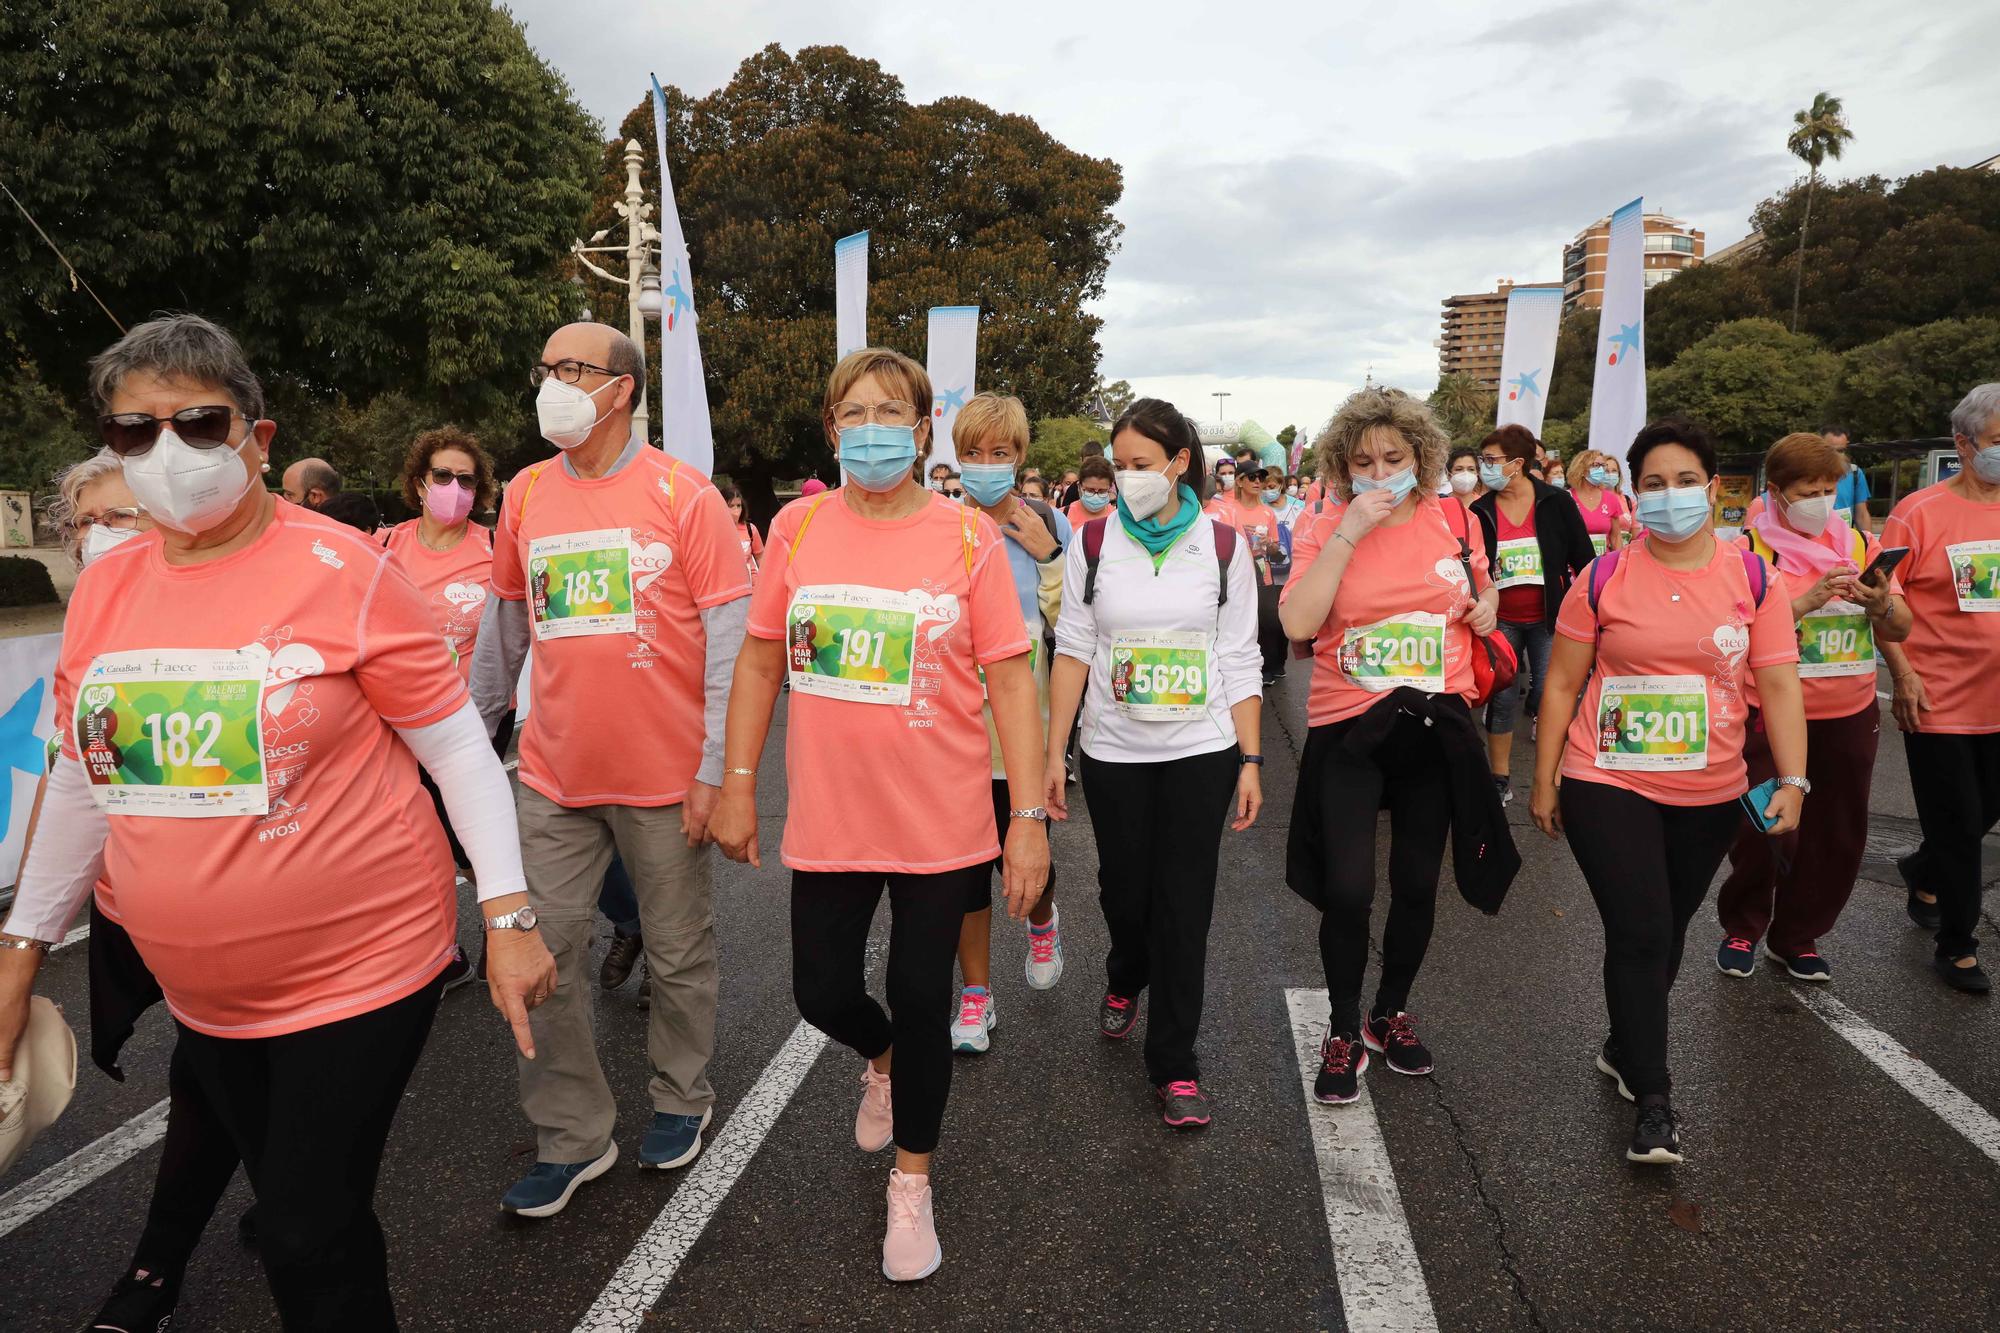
1033	812
523	918
1803	784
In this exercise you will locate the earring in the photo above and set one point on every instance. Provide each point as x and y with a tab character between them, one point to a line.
264	467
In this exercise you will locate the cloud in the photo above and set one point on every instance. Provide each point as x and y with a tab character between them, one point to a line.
1565	25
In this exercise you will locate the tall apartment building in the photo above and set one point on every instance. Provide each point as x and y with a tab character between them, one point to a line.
1474	326
1670	246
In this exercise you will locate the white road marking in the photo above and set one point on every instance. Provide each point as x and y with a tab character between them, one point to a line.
29	1200
510	766
1382	1287
1917	1078
630	1295
82	932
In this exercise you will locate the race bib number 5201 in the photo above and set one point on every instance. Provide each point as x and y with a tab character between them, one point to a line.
174	733
581	583
1653	722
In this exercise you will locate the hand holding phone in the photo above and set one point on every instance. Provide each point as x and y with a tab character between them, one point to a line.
1884	564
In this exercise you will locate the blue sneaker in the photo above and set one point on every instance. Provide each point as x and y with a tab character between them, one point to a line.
674	1140
545	1191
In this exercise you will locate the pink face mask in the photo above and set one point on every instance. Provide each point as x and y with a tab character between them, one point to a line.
447	504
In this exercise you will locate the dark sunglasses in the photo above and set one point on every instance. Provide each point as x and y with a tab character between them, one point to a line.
129	434
444	476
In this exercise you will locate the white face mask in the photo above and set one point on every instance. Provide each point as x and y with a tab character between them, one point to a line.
1144	493
1464	482
188	489
1810	516
101	539
566	413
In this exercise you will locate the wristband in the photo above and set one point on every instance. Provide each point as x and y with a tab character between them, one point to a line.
1256	759
740	772
1344	537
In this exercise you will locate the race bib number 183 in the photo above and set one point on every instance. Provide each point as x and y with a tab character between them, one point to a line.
581	583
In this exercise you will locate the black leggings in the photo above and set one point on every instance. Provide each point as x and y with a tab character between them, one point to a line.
197	1160
1407	776
1648	866
1956	782
310	1113
831	913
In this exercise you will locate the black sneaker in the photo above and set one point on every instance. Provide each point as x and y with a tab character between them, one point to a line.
1737	956
1972	980
1394	1038
1117	1015
1607	1064
1182	1105
1342	1061
1656	1139
141	1302
456	973
1505	787
1807	966
619	960
1922	913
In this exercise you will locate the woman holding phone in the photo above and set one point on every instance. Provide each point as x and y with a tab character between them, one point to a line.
1795	886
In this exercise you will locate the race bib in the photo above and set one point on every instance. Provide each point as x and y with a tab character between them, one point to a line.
174	733
845	641
581	583
1975	575
1520	561
1836	640
1600	542
1405	650
1653	722
1160	677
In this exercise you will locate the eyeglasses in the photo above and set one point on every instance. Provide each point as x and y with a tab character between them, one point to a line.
125	519
568	370
444	476
129	434
892	412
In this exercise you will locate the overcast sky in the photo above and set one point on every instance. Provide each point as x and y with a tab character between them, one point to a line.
1304	182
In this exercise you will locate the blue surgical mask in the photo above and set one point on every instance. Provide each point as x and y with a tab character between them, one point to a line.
1398	484
1986	464
1600	476
1493	476
987	483
878	457
1677	513
1095	501
1269	497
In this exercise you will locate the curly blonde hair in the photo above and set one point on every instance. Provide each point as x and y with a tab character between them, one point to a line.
1381	409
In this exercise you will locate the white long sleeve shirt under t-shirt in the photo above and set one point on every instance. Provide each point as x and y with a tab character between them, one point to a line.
1181	595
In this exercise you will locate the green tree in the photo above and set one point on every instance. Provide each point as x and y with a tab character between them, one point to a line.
1058	443
1463	407
1575	360
1116	397
43	436
1818	132
1287	435
375	196
1682	312
1748	382
965	205
1904	386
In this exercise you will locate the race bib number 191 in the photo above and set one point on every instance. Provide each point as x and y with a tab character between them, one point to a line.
844	641
174	733
1653	722
581	583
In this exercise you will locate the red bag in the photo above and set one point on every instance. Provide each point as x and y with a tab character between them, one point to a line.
1493	669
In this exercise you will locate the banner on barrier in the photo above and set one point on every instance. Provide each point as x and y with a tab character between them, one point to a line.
27	720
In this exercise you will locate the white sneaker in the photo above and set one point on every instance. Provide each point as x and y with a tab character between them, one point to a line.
910	1248
1045	956
976	1019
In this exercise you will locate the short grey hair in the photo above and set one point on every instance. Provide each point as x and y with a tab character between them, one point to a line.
179	347
317	474
1975	411
625	358
70	484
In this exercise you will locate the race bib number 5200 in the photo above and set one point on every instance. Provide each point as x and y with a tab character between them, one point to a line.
174	733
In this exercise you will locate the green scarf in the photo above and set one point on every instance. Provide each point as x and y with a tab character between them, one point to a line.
1154	535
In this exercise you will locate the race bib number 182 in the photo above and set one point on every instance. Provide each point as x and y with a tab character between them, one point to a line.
174	733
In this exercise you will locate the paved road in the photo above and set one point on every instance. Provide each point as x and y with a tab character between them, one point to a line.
1823	1189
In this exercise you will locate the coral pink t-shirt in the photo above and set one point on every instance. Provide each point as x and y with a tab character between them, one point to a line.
455	582
617	571
1079	514
903	785
1598	518
1680	644
1258	523
1398	615
340	899
1951	580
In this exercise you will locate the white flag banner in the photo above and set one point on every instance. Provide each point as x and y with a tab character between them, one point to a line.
953	351
1527	356
1618	393
27	717
685	430
850	292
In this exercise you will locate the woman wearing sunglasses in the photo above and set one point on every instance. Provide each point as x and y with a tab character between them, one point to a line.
242	693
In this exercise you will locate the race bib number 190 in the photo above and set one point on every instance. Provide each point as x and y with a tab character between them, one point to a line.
1653	722
1836	640
581	583
174	733
844	641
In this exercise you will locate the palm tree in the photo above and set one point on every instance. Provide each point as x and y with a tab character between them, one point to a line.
1818	132
1460	402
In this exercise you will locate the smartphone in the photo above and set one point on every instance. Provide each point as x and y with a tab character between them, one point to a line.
1754	801
1884	563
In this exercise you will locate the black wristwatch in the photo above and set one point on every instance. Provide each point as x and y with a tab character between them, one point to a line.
1256	759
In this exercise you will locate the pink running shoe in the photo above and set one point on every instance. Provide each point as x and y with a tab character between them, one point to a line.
910	1249
875	1122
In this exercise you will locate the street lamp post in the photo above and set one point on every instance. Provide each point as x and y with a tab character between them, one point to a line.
642	272
1218	407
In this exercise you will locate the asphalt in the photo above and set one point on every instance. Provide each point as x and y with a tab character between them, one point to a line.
1817	1192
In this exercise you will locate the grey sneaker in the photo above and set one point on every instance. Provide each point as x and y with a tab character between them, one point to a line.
546	1189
